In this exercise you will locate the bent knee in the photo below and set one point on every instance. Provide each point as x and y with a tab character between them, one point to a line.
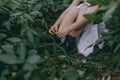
74	9
84	9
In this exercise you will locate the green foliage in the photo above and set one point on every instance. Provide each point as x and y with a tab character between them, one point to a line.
24	40
28	52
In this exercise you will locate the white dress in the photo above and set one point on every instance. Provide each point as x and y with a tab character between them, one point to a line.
92	32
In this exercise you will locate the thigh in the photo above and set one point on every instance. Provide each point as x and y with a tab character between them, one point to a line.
85	10
81	19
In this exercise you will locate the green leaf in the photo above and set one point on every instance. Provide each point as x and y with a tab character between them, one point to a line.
3	78
14	39
0	51
8	48
2	35
91	78
16	14
93	2
71	74
93	17
36	77
32	52
28	67
14	67
34	32
13	4
37	6
33	59
30	37
24	29
28	17
116	58
96	49
108	14
22	51
8	59
104	7
56	78
5	72
27	75
108	38
47	55
117	48
100	40
7	25
62	56
105	34
90	17
38	13
81	72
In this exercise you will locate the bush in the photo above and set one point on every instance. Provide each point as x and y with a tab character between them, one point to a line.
24	39
28	52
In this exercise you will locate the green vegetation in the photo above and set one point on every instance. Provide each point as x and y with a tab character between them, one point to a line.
28	52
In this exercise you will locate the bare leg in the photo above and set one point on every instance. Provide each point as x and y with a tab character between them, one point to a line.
72	25
56	25
73	16
69	18
78	31
82	12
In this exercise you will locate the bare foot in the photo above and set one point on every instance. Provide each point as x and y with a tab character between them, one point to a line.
62	32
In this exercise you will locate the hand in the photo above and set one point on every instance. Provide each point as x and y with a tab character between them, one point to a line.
53	29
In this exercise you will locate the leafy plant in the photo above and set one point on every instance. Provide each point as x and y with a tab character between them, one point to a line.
28	52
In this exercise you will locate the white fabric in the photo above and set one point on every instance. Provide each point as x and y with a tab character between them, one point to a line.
85	3
84	0
91	33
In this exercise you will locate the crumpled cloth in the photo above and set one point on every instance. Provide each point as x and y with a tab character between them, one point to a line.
86	42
